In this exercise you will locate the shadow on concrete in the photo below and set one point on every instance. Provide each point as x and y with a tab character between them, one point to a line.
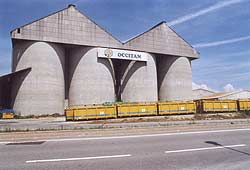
73	56
217	144
16	83
132	68
163	64
10	85
19	48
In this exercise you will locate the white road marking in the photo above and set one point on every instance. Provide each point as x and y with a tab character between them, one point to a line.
202	149
3	143
77	159
132	136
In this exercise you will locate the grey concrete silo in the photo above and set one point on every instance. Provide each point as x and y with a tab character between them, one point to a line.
91	79
88	79
174	78
140	81
41	91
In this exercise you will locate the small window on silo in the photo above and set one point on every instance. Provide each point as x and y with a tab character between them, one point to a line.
18	30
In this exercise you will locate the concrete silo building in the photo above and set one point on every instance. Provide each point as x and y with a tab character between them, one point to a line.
67	56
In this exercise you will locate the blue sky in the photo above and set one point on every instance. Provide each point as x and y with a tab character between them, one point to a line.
219	29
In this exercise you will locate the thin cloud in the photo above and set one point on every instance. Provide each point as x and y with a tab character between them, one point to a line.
238	76
219	68
218	43
242	53
212	8
75	2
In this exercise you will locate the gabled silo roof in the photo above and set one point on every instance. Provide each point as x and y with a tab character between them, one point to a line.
68	26
163	40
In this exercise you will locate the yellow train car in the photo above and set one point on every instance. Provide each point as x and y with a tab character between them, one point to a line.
137	109
91	112
168	108
69	114
212	106
7	114
244	105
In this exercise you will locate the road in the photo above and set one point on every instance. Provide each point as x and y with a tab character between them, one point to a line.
207	149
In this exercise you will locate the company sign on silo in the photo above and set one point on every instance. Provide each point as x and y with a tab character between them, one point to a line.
122	54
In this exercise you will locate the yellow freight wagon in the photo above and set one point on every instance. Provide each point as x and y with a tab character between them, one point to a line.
69	114
168	108
218	106
244	105
91	112
136	109
7	114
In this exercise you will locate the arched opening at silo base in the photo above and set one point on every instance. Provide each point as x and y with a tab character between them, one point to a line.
92	79
42	90
174	78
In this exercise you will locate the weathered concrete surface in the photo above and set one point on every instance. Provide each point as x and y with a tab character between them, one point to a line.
70	26
174	78
67	26
91	78
42	90
71	70
139	83
162	39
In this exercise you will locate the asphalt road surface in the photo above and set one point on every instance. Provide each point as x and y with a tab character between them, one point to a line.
227	149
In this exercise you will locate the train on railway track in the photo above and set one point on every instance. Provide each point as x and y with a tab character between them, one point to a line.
119	110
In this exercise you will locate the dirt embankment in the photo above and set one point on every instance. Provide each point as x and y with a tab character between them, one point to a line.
218	116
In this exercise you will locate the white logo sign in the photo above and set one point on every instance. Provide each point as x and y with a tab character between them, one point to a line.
122	54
